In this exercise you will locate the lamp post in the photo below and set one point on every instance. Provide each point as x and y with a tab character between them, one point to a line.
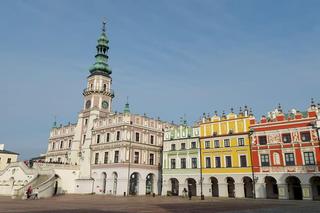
201	178
252	172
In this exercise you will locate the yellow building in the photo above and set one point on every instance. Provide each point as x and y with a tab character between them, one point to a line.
225	154
7	157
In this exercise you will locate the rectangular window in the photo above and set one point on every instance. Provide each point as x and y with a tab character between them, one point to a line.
262	140
108	137
226	142
305	136
59	159
61	144
84	139
183	146
96	158
137	137
9	160
85	121
151	159
173	163
228	162
50	160
194	163
289	157
98	138
193	145
53	145
173	147
151	139
116	156
216	143
69	144
136	157
183	163
208	162
243	161
240	141
264	160
207	144
106	157
309	158
218	162
286	138
118	135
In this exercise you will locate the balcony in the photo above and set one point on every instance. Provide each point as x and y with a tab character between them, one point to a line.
89	91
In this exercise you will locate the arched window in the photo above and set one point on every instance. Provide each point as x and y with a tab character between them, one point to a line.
276	158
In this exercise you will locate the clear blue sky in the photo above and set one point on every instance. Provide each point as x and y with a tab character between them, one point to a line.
170	57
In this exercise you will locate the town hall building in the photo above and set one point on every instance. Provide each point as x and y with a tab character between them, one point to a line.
117	153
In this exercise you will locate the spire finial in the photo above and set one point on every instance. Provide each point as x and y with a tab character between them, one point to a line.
126	107
55	121
104	25
279	108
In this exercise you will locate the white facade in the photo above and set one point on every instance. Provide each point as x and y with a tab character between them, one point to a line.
116	153
7	157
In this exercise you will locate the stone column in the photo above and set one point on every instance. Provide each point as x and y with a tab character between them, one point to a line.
306	191
261	191
283	191
142	186
207	189
239	190
223	189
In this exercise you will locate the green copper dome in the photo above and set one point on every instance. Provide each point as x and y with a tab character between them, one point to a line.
126	109
101	67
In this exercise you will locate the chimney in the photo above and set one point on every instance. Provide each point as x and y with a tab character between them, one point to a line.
1	146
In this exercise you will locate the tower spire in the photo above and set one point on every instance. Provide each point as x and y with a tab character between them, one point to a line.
104	26
101	67
126	109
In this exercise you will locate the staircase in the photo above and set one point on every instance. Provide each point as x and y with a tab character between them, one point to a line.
39	181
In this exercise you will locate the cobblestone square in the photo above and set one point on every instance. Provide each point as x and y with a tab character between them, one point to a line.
99	204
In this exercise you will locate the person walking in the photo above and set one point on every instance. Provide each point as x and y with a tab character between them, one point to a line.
185	193
189	193
29	192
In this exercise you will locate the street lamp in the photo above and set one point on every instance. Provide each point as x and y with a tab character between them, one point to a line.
251	131
201	178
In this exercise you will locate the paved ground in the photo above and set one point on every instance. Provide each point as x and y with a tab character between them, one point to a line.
103	204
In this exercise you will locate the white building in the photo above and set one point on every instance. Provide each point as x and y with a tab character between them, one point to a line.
7	157
117	153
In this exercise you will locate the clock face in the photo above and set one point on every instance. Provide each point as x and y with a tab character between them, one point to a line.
88	104
105	104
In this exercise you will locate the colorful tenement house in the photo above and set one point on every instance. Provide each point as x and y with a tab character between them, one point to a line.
286	155
181	165
225	154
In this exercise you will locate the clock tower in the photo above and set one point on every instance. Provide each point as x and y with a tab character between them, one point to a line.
98	93
98	97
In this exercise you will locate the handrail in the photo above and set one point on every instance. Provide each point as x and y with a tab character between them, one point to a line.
20	191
